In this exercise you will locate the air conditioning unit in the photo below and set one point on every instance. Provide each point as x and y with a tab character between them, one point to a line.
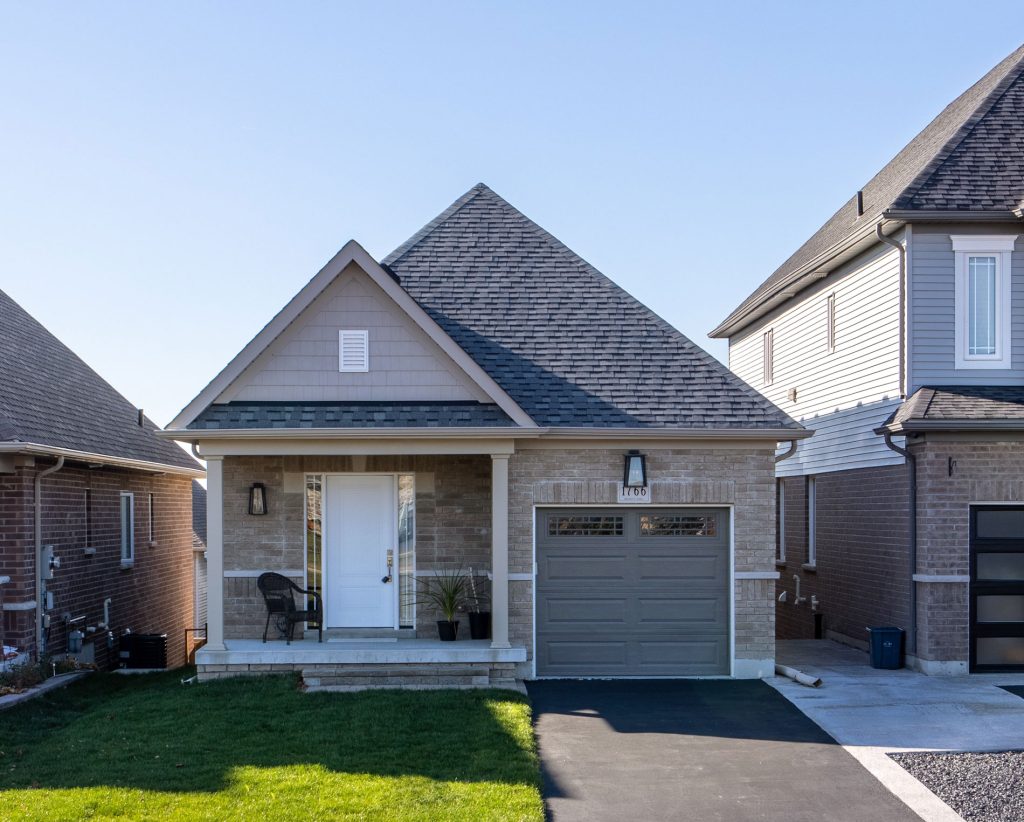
143	651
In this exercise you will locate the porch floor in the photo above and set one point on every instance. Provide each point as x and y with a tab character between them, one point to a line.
357	652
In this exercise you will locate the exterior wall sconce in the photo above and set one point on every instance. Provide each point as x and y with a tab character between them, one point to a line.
635	474
258	499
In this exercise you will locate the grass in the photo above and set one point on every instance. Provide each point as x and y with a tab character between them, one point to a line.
150	748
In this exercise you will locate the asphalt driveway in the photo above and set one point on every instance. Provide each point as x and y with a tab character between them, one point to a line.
699	750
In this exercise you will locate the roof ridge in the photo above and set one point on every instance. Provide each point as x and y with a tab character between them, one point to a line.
719	367
429	228
981	111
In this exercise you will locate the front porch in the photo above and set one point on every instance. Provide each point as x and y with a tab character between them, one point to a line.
354	664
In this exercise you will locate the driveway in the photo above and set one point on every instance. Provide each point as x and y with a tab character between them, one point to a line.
701	750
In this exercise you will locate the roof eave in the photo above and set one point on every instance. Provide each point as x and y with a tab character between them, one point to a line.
913	215
41	450
924	426
806	274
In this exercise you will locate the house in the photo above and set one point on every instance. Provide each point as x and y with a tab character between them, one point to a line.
896	332
95	509
470	401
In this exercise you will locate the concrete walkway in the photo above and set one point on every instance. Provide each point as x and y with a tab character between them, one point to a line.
733	751
874	712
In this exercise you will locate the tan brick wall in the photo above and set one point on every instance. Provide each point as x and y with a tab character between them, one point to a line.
984	471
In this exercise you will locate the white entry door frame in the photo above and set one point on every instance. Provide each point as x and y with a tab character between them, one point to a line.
360	527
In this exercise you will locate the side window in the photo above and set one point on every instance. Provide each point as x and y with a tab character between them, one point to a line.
812	505
780	527
983	293
769	356
127	528
830	323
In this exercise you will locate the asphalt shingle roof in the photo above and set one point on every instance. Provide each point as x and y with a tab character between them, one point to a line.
350	415
969	158
945	403
49	396
567	344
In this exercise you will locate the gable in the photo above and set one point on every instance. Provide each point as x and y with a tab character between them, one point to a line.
302	363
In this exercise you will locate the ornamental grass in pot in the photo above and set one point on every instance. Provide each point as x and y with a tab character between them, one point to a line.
447	593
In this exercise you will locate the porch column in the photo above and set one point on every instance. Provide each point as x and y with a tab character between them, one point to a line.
215	553
499	551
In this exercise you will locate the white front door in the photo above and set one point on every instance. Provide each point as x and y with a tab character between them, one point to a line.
360	523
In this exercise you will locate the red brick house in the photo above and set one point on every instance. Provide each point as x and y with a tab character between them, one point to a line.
95	510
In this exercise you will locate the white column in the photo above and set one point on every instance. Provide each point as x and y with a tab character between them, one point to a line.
215	553
499	551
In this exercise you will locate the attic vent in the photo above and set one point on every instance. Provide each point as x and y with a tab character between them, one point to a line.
353	351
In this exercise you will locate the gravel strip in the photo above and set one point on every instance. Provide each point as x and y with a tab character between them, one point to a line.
981	787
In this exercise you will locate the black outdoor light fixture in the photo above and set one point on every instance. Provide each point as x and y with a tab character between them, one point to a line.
258	499
635	475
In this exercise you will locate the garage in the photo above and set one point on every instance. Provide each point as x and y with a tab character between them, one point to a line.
632	592
997	588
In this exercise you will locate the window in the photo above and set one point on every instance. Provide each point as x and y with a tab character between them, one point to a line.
830	323
88	518
152	520
127	528
703	525
561	526
769	357
982	274
353	351
812	516
780	520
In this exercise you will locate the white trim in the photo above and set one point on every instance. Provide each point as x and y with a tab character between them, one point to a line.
351	252
37	449
755	575
999	247
941	578
737	668
253	573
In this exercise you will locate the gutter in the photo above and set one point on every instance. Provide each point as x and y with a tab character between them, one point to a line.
913	215
193	436
39	450
923	426
912	465
902	251
40	598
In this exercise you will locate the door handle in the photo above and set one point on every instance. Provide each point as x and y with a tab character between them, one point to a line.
391	561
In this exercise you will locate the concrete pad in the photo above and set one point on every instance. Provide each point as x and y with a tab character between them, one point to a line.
875	712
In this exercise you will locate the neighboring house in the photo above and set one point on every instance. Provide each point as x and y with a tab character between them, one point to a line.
900	325
95	510
470	401
199	552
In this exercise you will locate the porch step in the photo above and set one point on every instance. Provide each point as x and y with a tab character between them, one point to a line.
365	677
364	633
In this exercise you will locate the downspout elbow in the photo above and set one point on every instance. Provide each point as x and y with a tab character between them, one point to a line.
785	455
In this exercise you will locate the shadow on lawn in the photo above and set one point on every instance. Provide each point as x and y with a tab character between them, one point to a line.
156	734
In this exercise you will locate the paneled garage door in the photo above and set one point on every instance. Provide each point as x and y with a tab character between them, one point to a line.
632	592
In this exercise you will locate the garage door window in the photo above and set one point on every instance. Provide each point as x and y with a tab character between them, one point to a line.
584	526
678	526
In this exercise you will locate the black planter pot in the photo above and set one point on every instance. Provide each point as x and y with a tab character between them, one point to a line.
480	624
448	631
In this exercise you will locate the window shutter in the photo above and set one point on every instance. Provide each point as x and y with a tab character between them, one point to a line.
353	351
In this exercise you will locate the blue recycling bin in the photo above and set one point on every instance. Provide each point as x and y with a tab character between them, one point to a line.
886	648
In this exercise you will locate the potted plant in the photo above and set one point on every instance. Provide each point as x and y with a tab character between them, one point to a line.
479	617
446	592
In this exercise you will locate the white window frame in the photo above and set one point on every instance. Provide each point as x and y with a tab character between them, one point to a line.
978	245
129	559
830	323
780	490
152	523
361	338
768	343
812	523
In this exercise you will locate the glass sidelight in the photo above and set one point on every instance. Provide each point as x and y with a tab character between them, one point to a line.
314	533
406	550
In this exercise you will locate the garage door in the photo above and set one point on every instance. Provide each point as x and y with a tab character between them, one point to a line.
997	588
628	592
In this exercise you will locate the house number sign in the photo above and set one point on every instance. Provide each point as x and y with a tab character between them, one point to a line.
634	496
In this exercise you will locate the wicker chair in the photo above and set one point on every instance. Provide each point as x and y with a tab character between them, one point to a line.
278	593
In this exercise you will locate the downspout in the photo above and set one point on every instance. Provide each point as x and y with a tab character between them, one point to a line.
40	599
903	305
912	463
787	453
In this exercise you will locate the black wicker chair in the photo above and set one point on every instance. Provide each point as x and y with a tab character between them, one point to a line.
278	593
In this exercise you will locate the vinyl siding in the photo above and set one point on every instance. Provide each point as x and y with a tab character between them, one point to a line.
933	311
843	394
301	365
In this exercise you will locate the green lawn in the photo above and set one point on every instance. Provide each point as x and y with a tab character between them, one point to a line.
150	748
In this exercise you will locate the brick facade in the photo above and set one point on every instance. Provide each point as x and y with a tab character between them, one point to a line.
862	568
453	519
155	595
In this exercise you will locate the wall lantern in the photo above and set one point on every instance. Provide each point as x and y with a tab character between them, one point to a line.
635	475
258	499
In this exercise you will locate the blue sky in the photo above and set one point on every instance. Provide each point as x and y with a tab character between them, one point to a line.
172	174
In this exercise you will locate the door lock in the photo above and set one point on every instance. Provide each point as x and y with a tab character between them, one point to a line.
391	562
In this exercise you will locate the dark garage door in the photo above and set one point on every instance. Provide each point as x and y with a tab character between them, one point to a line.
632	592
997	588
